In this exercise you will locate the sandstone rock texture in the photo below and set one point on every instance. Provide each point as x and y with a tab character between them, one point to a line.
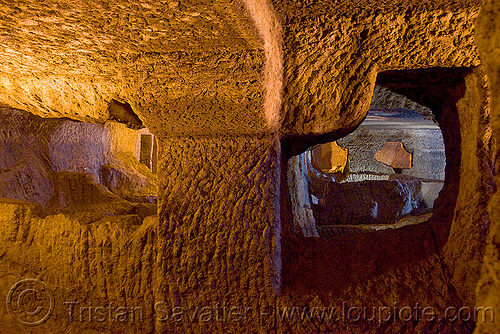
377	202
329	158
179	64
88	257
488	43
217	226
394	154
419	143
384	100
298	181
411	261
334	50
232	90
63	164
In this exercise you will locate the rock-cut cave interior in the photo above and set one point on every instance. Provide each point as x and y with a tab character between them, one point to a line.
249	166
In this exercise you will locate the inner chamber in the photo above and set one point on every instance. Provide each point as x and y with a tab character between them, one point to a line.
386	174
71	166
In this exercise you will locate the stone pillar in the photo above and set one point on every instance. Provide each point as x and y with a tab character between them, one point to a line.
488	43
300	198
466	240
219	217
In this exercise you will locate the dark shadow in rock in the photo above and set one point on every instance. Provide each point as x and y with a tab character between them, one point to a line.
323	266
123	113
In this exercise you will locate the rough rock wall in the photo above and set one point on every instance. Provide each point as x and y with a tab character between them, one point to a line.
185	65
333	51
79	147
425	144
218	243
41	159
219	222
377	202
25	168
408	265
298	187
89	259
180	65
218	234
383	99
488	43
465	248
396	268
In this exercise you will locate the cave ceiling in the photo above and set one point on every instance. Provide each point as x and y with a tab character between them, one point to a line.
223	67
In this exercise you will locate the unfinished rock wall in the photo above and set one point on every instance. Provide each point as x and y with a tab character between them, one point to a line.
377	202
179	65
487	40
334	50
408	265
219	204
193	72
423	141
25	163
79	147
297	178
52	161
386	100
87	258
465	247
